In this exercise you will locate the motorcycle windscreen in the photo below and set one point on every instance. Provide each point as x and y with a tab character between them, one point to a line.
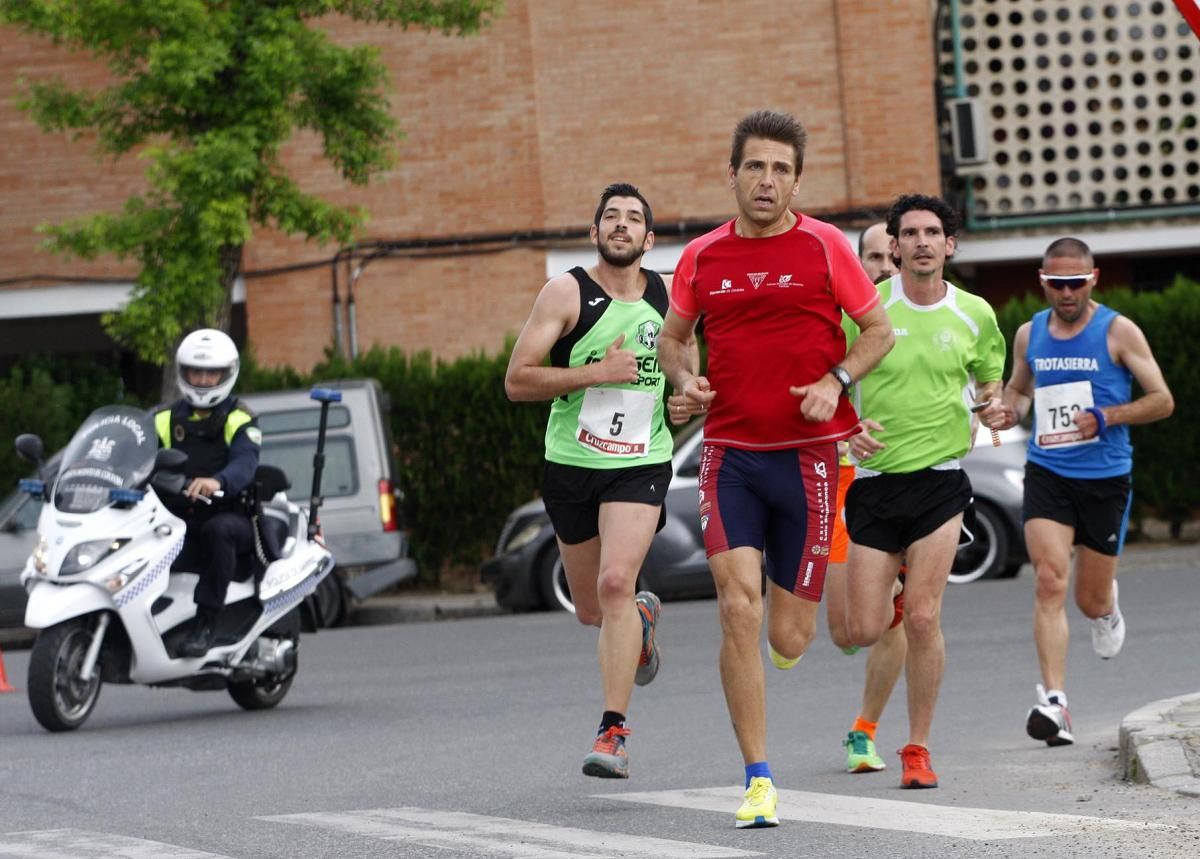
113	449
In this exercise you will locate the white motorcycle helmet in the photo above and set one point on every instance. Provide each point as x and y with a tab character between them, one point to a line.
207	349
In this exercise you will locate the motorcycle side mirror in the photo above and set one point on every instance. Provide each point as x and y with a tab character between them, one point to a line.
30	448
170	459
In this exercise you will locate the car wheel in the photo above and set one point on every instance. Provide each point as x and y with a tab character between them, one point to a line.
987	557
552	580
331	600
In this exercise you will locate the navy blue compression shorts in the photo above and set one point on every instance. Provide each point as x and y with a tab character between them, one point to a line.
781	502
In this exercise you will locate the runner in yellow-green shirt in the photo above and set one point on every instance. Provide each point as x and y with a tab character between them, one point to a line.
910	493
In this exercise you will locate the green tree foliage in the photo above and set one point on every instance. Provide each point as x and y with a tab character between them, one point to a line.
208	92
50	396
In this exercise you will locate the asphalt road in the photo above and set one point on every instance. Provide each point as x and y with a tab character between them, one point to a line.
465	738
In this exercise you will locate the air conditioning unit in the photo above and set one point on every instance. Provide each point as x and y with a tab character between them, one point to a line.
968	135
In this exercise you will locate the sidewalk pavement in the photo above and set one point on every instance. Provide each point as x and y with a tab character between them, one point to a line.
1160	745
403	607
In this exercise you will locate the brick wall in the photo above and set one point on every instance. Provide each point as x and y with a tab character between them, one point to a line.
519	129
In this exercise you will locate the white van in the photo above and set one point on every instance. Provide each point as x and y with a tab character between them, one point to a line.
361	510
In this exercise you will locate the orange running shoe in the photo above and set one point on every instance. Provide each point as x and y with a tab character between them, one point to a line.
608	758
897	610
898	601
917	772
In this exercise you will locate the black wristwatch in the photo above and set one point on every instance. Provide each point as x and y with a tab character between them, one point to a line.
839	372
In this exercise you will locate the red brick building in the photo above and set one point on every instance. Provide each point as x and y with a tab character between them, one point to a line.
511	135
514	133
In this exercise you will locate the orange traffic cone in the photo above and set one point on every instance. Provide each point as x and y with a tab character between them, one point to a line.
4	687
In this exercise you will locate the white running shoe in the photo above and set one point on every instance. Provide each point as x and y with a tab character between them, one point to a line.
1108	632
1049	721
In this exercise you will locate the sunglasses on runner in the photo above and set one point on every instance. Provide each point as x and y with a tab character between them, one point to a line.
1066	281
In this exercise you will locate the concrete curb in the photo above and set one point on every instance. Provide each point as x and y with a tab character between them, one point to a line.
1160	744
411	608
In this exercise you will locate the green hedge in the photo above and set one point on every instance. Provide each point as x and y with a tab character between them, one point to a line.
467	456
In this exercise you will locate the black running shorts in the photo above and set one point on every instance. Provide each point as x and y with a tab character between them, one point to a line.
1098	509
890	512
573	495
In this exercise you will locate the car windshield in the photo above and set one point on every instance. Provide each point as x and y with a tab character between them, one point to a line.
113	449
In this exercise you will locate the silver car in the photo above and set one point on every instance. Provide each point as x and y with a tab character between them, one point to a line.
527	573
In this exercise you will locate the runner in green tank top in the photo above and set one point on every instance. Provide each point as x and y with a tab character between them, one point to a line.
608	452
619	424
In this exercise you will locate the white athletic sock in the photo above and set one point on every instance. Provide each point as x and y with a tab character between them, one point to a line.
1057	696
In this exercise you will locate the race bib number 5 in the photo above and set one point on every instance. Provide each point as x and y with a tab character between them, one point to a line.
1055	408
616	422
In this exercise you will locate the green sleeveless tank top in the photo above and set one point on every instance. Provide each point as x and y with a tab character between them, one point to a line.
612	426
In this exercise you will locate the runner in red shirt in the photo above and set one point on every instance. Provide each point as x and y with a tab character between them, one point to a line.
772	285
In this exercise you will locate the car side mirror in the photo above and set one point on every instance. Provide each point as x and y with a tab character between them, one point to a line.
30	448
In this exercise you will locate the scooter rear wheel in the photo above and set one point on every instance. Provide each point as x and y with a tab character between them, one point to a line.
261	695
60	700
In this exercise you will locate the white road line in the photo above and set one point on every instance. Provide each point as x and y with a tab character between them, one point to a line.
976	824
82	844
477	835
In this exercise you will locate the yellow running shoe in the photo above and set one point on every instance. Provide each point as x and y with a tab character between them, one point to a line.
780	661
758	808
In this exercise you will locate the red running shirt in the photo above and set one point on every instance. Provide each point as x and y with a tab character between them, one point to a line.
772	319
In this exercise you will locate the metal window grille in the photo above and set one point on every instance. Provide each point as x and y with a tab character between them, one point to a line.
1084	106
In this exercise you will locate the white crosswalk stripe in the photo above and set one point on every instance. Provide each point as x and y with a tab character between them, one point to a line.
976	824
82	844
475	835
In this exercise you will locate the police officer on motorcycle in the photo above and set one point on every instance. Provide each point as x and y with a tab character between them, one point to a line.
222	441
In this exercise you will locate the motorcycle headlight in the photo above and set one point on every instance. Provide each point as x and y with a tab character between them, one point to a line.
523	536
84	556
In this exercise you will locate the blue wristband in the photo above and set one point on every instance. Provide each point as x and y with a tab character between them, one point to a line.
1101	423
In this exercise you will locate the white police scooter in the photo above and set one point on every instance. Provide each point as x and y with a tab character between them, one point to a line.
103	598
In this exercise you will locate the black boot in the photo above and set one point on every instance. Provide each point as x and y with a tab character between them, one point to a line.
204	628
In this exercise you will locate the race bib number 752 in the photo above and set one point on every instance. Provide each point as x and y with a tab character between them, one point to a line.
1055	407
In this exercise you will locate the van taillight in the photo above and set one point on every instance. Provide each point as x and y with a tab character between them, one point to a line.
387	506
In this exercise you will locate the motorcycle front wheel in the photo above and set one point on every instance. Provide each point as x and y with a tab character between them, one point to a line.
60	700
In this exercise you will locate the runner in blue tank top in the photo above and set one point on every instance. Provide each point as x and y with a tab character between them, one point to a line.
1073	363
